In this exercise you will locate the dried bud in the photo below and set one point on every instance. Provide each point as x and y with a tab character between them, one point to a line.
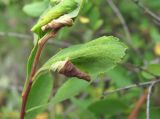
68	69
64	20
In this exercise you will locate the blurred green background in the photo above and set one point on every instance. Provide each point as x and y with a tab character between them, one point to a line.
123	19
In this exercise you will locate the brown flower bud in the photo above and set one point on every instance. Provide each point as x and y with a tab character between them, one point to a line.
68	69
64	20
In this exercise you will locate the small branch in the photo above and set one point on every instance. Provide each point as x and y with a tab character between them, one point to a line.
146	96
146	10
138	106
33	71
124	24
28	37
14	34
134	67
59	23
145	84
121	18
19	88
143	98
148	99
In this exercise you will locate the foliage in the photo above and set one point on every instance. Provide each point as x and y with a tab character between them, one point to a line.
103	54
110	51
62	97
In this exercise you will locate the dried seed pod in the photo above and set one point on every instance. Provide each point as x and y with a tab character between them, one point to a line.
64	7
64	20
68	69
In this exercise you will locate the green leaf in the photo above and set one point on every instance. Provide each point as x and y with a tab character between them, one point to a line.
82	107
94	17
68	89
95	57
108	107
67	7
82	103
55	12
122	77
153	69
39	94
35	9
77	11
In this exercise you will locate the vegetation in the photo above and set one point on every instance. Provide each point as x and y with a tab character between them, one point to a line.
89	59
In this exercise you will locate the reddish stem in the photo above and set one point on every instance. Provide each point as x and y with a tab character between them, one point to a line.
56	26
140	102
33	71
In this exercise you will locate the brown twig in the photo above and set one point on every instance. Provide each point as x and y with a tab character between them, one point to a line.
14	34
33	71
144	84
128	38
122	20
146	10
140	102
137	68
22	36
145	97
60	22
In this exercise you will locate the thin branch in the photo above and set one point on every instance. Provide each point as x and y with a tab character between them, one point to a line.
59	23
14	34
134	67
121	18
124	24
19	88
148	99
145	84
139	103
28	37
146	10
33	71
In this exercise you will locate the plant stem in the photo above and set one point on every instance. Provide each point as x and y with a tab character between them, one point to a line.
41	44
147	10
56	25
149	98
140	102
